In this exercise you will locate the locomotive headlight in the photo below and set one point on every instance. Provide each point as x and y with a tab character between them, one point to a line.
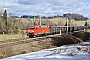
32	31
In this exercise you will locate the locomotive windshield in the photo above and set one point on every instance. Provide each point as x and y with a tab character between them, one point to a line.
31	28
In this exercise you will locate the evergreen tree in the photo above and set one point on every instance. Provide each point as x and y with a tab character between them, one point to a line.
5	21
5	17
86	24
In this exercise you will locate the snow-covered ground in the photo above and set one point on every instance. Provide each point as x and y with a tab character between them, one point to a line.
66	52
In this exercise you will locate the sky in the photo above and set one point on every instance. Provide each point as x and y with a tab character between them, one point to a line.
46	7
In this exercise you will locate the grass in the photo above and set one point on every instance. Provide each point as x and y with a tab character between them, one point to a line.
11	36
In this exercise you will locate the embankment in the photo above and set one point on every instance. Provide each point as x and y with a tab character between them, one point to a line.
82	35
35	44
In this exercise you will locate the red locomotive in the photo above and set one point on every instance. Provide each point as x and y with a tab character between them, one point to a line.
37	30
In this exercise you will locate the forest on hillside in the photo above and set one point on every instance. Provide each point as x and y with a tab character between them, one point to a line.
75	16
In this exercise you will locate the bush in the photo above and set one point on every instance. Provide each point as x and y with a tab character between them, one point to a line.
16	30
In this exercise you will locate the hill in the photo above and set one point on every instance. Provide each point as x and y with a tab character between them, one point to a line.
61	21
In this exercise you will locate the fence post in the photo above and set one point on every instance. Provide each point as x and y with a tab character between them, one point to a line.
60	32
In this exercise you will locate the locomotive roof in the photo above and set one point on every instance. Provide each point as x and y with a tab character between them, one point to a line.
38	26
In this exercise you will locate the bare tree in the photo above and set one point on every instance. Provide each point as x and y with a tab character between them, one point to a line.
12	24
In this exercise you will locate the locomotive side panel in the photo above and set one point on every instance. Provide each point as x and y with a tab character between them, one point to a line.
42	30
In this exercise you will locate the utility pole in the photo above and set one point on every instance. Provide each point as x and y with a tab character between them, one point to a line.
48	22
40	20
34	21
70	20
67	25
86	26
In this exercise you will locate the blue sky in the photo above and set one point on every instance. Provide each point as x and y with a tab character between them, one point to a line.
1	0
87	2
46	7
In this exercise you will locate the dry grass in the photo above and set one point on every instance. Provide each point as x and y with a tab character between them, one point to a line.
80	23
10	50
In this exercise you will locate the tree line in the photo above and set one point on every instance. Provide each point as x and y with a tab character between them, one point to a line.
77	17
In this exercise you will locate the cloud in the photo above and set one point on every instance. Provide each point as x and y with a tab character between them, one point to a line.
46	7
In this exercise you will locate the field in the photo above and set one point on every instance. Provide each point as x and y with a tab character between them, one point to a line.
10	36
53	21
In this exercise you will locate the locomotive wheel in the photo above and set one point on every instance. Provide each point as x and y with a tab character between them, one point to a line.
42	35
